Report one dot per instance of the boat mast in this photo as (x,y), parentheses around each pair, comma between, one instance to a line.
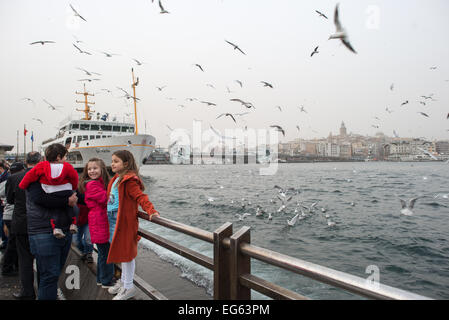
(86,110)
(136,130)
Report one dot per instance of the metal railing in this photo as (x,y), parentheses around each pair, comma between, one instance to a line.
(231,265)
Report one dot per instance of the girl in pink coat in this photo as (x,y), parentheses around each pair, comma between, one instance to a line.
(93,183)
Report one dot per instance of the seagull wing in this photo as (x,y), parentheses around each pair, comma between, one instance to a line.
(403,203)
(230,115)
(348,45)
(412,202)
(336,18)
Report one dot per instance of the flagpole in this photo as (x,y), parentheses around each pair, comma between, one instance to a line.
(17,150)
(24,142)
(32,141)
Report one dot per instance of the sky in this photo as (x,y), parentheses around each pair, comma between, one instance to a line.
(397,42)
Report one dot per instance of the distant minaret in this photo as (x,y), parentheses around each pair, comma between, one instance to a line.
(343,130)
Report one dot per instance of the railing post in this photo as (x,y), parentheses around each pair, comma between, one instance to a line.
(240,264)
(221,263)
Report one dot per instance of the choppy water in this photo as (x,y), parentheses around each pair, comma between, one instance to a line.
(411,252)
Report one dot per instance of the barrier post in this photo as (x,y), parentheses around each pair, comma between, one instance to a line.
(240,264)
(221,263)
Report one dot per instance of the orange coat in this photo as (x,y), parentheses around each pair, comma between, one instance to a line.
(124,241)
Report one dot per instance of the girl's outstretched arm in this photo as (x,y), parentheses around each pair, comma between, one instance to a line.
(134,191)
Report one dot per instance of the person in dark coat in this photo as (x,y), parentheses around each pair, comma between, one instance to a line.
(16,196)
(4,174)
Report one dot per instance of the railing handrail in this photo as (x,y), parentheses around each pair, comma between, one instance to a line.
(317,272)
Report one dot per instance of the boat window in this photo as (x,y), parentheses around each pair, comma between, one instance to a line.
(106,127)
(75,126)
(116,128)
(97,137)
(85,138)
(109,136)
(79,138)
(103,136)
(131,129)
(125,129)
(94,127)
(84,126)
(92,137)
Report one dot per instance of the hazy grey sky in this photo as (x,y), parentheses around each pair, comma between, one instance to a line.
(397,42)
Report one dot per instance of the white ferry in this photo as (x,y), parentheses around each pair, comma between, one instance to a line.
(86,138)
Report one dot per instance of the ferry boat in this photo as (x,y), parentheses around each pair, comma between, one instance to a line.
(86,138)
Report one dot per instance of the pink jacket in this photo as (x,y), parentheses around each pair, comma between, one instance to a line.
(96,200)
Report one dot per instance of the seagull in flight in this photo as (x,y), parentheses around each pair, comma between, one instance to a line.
(42,42)
(392,86)
(340,32)
(404,103)
(109,55)
(28,99)
(162,8)
(427,153)
(52,107)
(266,84)
(138,62)
(240,83)
(297,127)
(199,66)
(302,109)
(321,14)
(424,114)
(38,120)
(314,51)
(81,51)
(90,80)
(235,47)
(246,104)
(279,107)
(208,103)
(278,128)
(227,115)
(76,13)
(395,134)
(88,73)
(160,88)
(388,110)
(407,209)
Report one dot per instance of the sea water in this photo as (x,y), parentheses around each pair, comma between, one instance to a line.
(362,198)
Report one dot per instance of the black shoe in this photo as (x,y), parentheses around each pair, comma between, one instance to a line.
(20,296)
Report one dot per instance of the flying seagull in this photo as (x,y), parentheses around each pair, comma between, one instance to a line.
(235,47)
(302,109)
(28,99)
(199,66)
(407,209)
(109,55)
(427,153)
(395,134)
(228,115)
(246,104)
(321,14)
(51,106)
(278,128)
(392,87)
(81,51)
(297,127)
(340,32)
(88,73)
(388,110)
(424,114)
(314,51)
(162,8)
(404,103)
(160,88)
(138,62)
(447,116)
(279,107)
(266,84)
(240,83)
(38,120)
(76,13)
(208,103)
(42,42)
(90,80)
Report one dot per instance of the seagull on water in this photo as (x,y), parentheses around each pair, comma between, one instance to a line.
(340,32)
(407,209)
(236,47)
(293,220)
(242,216)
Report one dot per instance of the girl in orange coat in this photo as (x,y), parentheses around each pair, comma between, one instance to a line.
(129,187)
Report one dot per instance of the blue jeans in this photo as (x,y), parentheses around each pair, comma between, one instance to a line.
(82,239)
(105,271)
(3,235)
(51,254)
(112,219)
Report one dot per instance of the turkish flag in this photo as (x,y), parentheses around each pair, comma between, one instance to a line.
(24,131)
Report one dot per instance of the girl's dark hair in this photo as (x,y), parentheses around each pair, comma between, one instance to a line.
(84,178)
(129,164)
(54,150)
